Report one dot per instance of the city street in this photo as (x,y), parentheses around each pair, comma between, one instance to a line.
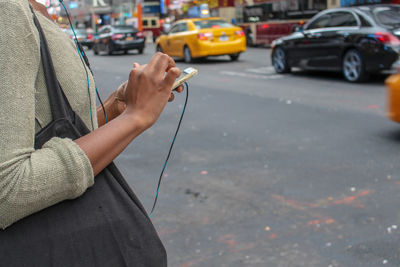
(267,170)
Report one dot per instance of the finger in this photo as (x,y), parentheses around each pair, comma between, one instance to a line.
(171,97)
(179,89)
(136,65)
(171,76)
(161,63)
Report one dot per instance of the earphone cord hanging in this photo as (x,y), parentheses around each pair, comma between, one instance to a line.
(170,150)
(84,59)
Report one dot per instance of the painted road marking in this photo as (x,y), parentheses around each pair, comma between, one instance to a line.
(263,70)
(251,75)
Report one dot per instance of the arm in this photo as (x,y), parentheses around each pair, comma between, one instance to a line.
(30,180)
(114,105)
(147,92)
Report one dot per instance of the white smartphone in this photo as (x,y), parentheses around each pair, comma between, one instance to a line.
(186,75)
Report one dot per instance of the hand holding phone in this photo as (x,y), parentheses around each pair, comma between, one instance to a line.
(186,75)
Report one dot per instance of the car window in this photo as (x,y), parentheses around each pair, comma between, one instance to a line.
(183,27)
(80,31)
(342,19)
(321,22)
(123,29)
(104,30)
(212,23)
(174,29)
(364,21)
(388,16)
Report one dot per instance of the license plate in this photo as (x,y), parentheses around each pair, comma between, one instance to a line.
(129,38)
(223,38)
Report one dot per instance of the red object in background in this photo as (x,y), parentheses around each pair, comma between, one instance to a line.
(204,36)
(139,16)
(90,36)
(140,34)
(264,33)
(239,33)
(226,3)
(387,38)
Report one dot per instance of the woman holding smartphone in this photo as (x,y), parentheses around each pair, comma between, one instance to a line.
(32,180)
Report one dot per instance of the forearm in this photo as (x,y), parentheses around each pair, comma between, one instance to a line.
(104,144)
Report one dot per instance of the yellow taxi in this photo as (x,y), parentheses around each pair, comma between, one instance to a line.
(202,37)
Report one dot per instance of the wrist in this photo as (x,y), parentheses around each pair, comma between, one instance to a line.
(136,120)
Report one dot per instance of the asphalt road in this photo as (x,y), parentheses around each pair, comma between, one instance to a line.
(268,170)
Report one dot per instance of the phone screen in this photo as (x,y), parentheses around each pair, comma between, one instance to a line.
(185,75)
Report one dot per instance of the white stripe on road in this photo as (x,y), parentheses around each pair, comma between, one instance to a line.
(250,75)
(263,70)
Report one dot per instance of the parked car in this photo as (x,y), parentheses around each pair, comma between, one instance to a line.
(202,37)
(83,37)
(356,41)
(118,38)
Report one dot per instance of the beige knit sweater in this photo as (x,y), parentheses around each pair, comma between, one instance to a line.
(31,180)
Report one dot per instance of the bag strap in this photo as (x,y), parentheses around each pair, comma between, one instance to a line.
(59,108)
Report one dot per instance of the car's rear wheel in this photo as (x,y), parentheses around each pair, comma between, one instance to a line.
(159,49)
(235,56)
(140,50)
(353,66)
(279,60)
(187,55)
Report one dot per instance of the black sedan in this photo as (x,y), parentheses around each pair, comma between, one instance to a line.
(118,38)
(82,36)
(354,40)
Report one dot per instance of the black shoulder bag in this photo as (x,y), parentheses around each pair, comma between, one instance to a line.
(107,226)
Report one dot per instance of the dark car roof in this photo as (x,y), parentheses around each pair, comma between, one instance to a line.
(367,9)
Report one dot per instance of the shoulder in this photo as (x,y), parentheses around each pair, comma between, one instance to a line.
(17,11)
(16,18)
(21,5)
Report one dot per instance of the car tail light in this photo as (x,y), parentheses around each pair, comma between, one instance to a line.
(265,26)
(140,34)
(204,36)
(117,36)
(90,36)
(386,38)
(239,33)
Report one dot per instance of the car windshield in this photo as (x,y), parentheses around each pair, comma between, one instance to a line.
(77,32)
(388,16)
(206,24)
(123,29)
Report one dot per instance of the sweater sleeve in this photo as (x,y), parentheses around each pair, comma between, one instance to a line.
(30,180)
